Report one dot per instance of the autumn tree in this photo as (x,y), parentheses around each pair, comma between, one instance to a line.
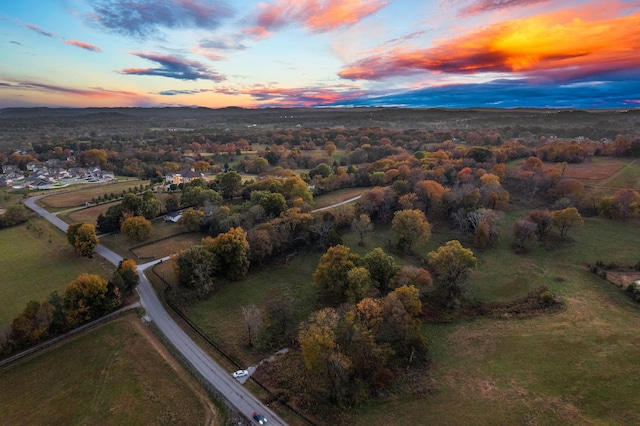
(408,227)
(567,219)
(358,284)
(331,275)
(525,232)
(127,272)
(543,220)
(627,202)
(82,236)
(232,250)
(86,298)
(450,266)
(136,228)
(362,225)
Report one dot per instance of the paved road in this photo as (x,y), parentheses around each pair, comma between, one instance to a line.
(218,378)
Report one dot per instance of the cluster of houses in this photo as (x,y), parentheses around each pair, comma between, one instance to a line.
(50,174)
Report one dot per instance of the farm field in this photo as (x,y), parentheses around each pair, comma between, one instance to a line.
(35,260)
(115,374)
(336,197)
(79,195)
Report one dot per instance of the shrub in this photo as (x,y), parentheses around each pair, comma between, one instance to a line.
(547,298)
(594,269)
(603,275)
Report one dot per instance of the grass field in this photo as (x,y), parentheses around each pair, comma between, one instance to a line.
(79,195)
(88,215)
(36,259)
(114,375)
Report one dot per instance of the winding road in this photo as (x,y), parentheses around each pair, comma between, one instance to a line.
(217,377)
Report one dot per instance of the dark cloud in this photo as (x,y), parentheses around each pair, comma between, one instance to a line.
(92,92)
(39,30)
(143,18)
(174,67)
(183,92)
(15,42)
(612,93)
(481,6)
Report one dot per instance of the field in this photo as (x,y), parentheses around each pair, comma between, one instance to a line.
(113,375)
(336,197)
(36,259)
(574,367)
(86,215)
(78,196)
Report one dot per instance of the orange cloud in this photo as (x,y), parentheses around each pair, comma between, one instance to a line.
(84,45)
(558,43)
(316,15)
(300,97)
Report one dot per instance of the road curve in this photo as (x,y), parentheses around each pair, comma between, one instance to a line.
(217,377)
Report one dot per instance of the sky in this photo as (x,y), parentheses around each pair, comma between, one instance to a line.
(320,53)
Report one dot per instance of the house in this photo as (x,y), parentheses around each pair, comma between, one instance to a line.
(172,217)
(183,176)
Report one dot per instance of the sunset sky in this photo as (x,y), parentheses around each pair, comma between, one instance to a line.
(292,53)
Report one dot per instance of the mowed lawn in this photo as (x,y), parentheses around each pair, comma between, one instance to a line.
(36,259)
(78,195)
(117,374)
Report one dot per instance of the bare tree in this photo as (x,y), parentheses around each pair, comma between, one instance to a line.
(252,316)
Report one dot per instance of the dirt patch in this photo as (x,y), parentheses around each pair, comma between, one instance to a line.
(623,278)
(589,171)
(537,302)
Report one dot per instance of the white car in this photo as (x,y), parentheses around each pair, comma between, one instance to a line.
(240,373)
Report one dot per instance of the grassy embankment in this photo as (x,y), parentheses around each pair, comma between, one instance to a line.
(115,374)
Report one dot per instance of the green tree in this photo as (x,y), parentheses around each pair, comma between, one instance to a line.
(229,184)
(382,269)
(136,228)
(232,250)
(331,275)
(273,204)
(409,227)
(358,284)
(450,266)
(196,268)
(567,219)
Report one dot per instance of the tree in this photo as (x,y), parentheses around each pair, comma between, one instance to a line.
(260,245)
(450,266)
(362,225)
(331,275)
(273,203)
(229,184)
(82,236)
(128,272)
(191,219)
(196,267)
(382,269)
(566,219)
(408,227)
(543,220)
(524,231)
(358,284)
(627,202)
(232,250)
(253,320)
(136,228)
(86,298)
(14,215)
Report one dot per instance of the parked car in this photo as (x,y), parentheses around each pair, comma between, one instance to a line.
(240,373)
(259,418)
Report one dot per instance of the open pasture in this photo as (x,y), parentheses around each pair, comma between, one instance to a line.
(35,260)
(79,195)
(115,374)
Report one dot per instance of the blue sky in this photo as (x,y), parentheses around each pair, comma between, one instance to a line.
(408,53)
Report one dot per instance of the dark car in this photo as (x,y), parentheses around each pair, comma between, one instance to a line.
(259,418)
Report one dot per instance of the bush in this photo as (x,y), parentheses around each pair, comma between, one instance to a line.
(637,266)
(547,298)
(603,275)
(594,269)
